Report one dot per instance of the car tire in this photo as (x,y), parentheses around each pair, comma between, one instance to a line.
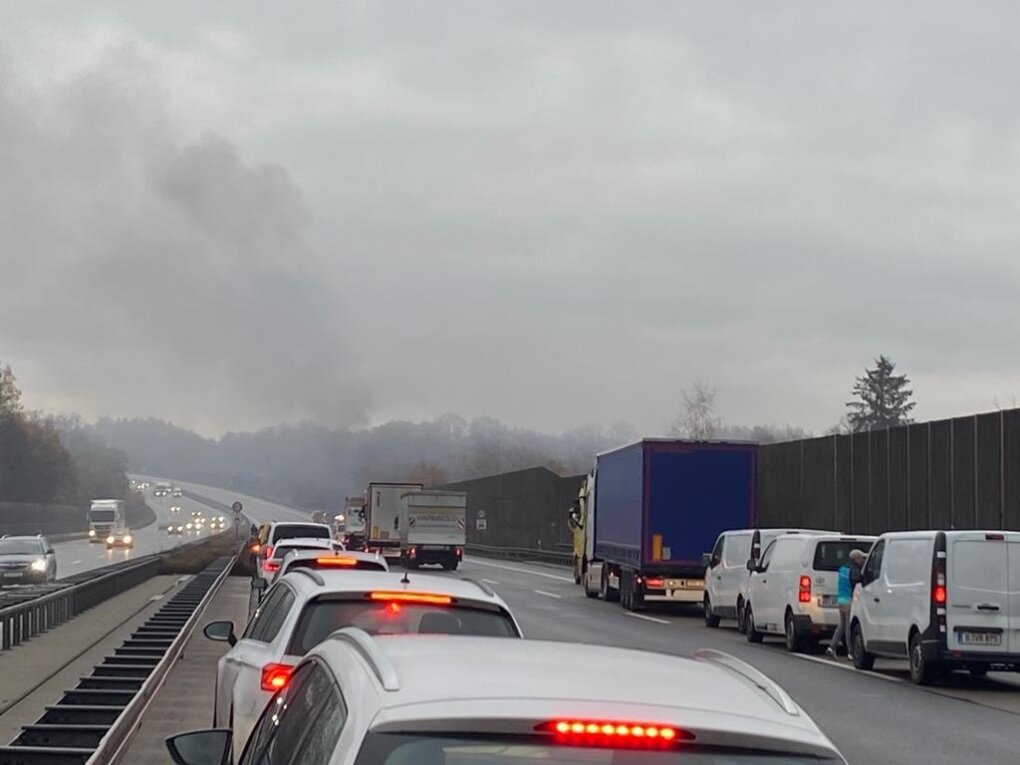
(794,640)
(750,631)
(740,616)
(859,655)
(711,620)
(922,672)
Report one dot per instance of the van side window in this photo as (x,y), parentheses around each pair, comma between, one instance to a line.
(874,564)
(785,554)
(909,561)
(737,550)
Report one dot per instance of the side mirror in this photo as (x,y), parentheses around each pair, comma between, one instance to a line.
(706,560)
(751,565)
(51,551)
(222,632)
(200,747)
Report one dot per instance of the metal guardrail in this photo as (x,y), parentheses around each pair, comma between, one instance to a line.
(553,557)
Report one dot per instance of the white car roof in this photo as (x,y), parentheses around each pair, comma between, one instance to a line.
(298,554)
(717,697)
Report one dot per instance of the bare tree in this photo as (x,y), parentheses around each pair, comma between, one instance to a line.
(697,420)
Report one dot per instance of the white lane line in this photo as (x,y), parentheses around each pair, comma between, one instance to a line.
(848,667)
(548,594)
(489,581)
(647,618)
(522,570)
(75,562)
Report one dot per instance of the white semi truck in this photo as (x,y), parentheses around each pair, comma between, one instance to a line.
(108,523)
(384,506)
(434,532)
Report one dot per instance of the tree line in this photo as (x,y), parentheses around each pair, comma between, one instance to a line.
(52,460)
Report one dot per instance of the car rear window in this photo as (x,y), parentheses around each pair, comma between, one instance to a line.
(300,530)
(282,549)
(436,749)
(322,617)
(831,556)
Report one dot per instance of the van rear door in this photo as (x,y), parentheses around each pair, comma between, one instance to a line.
(1013,629)
(977,602)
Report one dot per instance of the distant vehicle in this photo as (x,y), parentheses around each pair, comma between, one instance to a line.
(178,493)
(196,513)
(792,591)
(654,510)
(175,528)
(270,534)
(945,600)
(351,523)
(26,559)
(323,560)
(384,511)
(393,700)
(320,517)
(175,508)
(304,607)
(161,490)
(105,516)
(271,566)
(120,537)
(727,574)
(434,532)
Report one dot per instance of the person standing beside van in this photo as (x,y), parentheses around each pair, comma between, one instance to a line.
(848,578)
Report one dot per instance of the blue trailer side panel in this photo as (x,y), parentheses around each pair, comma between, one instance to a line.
(694,492)
(619,486)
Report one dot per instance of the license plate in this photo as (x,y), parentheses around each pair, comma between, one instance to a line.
(981,638)
(14,575)
(830,601)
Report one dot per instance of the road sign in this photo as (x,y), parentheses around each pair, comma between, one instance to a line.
(480,524)
(237,507)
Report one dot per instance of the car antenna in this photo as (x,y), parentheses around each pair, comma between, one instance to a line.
(405,580)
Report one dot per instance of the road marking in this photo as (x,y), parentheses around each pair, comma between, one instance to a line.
(647,618)
(522,570)
(548,594)
(75,562)
(848,667)
(489,581)
(154,598)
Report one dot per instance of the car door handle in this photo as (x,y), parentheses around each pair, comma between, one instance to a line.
(986,607)
(878,600)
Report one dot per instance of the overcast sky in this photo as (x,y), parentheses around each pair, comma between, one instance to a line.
(236,213)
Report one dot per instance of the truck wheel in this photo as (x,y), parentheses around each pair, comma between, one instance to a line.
(605,591)
(588,593)
(452,565)
(794,640)
(750,631)
(711,620)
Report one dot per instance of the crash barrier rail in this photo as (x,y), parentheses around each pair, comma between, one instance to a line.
(554,557)
(30,611)
(93,722)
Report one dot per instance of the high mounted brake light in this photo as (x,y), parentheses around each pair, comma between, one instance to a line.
(336,560)
(276,676)
(411,597)
(613,733)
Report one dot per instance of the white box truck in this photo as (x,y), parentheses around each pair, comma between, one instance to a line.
(385,511)
(434,532)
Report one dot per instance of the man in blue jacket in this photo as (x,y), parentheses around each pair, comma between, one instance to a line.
(849,577)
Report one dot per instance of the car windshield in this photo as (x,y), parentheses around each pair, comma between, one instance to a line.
(293,531)
(831,556)
(20,547)
(103,516)
(411,749)
(322,617)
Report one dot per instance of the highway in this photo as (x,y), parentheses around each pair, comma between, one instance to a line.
(80,555)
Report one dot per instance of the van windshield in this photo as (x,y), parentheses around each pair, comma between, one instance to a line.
(831,556)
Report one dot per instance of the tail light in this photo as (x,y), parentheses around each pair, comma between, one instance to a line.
(254,548)
(411,597)
(655,584)
(271,566)
(412,552)
(613,733)
(336,560)
(938,590)
(460,553)
(276,676)
(804,590)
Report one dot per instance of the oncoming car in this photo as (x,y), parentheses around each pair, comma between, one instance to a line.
(120,538)
(304,607)
(359,700)
(175,528)
(26,559)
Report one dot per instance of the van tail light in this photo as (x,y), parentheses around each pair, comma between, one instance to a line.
(276,676)
(613,733)
(460,552)
(804,590)
(271,566)
(939,594)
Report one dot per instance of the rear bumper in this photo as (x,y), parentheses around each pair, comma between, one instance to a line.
(806,624)
(935,653)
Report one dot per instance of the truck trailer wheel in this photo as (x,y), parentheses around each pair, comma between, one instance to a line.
(606,592)
(588,592)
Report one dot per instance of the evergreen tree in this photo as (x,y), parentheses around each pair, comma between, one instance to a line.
(883,398)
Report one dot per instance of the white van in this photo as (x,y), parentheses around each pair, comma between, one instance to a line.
(792,591)
(726,573)
(944,599)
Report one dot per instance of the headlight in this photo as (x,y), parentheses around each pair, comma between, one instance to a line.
(110,540)
(92,532)
(127,539)
(39,564)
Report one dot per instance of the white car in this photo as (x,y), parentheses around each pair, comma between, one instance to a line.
(792,591)
(271,534)
(322,560)
(726,574)
(401,700)
(944,599)
(271,566)
(305,606)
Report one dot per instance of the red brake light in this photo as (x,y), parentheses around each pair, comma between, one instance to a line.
(460,552)
(276,676)
(804,593)
(336,560)
(939,594)
(613,733)
(411,597)
(271,566)
(655,584)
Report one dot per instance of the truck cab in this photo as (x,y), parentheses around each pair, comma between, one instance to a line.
(105,517)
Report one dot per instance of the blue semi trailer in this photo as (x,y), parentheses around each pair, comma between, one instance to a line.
(651,513)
